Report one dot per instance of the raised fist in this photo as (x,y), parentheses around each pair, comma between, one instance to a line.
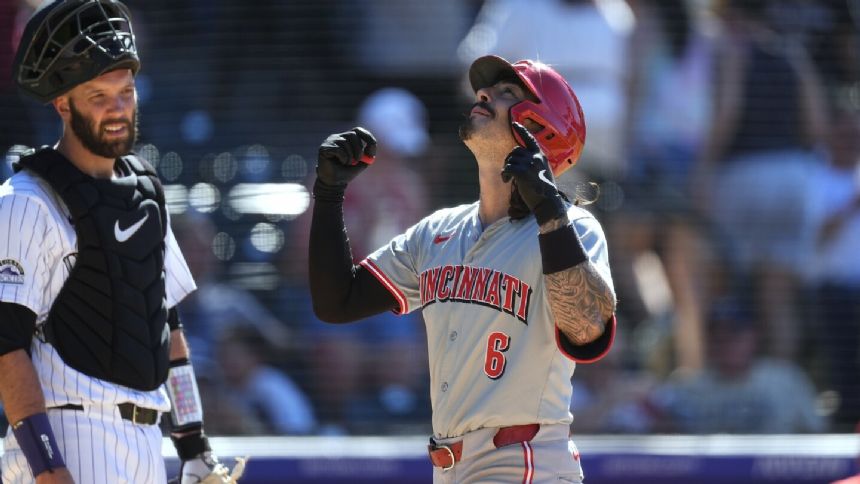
(342,156)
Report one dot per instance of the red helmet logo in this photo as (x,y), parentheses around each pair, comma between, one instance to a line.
(557,109)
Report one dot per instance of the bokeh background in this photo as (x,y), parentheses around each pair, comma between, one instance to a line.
(723,138)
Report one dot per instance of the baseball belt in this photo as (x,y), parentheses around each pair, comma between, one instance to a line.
(446,455)
(128,411)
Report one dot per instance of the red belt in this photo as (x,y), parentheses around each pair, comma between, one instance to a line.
(446,455)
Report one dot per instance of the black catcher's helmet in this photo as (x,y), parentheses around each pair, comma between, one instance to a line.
(69,42)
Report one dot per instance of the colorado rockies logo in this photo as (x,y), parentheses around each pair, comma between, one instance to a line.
(11,272)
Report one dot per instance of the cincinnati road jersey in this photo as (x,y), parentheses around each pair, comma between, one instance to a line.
(494,357)
(40,245)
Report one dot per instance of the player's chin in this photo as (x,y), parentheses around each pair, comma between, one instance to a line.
(466,130)
(115,148)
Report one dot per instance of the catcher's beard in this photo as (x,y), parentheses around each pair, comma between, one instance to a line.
(92,136)
(517,208)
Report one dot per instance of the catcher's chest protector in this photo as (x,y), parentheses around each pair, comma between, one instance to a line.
(110,318)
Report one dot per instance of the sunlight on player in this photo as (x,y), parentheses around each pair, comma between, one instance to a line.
(515,289)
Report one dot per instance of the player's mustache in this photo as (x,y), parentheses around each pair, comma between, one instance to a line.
(483,105)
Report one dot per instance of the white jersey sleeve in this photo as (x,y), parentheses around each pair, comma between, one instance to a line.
(178,282)
(29,250)
(394,266)
(593,241)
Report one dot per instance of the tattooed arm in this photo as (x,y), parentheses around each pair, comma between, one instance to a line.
(580,299)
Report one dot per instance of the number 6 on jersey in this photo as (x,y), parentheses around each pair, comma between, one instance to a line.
(494,364)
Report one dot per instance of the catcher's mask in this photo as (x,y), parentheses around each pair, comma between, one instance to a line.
(69,42)
(557,109)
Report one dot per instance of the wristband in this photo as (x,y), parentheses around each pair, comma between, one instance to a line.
(191,445)
(37,442)
(328,193)
(186,409)
(173,321)
(561,249)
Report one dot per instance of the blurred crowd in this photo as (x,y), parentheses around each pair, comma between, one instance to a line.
(722,155)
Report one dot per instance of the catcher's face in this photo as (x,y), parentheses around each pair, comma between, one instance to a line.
(102,113)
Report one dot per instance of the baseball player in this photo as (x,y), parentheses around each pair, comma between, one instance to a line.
(515,288)
(91,347)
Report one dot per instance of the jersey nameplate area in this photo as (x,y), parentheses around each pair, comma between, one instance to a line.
(476,285)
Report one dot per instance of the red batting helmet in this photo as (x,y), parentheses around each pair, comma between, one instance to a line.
(557,109)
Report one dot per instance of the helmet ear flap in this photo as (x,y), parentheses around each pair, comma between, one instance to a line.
(559,141)
(557,109)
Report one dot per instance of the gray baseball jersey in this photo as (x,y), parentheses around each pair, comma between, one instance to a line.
(36,255)
(495,357)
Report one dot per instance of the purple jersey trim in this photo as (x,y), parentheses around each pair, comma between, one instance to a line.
(394,290)
(589,352)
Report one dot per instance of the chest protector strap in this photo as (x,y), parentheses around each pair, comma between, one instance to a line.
(109,320)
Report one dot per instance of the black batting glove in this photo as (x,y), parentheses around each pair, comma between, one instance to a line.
(532,177)
(343,156)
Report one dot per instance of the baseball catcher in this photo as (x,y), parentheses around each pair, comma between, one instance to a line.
(92,350)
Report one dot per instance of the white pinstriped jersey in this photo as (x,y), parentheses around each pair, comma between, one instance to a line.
(36,255)
(495,359)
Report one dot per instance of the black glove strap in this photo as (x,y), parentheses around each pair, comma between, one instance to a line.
(324,192)
(550,208)
(191,445)
(561,249)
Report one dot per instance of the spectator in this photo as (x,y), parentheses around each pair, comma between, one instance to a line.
(613,398)
(669,54)
(224,415)
(396,197)
(829,31)
(16,125)
(767,122)
(585,41)
(836,280)
(215,305)
(739,391)
(259,388)
(395,38)
(279,71)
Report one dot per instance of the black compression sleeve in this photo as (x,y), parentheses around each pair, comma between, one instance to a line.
(341,291)
(17,325)
(173,321)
